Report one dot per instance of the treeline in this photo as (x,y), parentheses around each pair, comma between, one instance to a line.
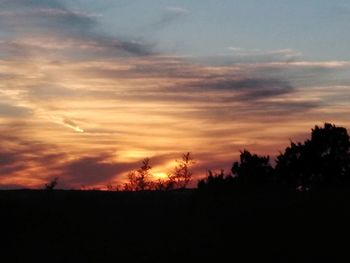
(323,160)
(142,179)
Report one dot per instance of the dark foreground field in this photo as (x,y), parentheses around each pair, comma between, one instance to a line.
(247,226)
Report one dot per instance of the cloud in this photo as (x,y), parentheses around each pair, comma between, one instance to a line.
(237,55)
(247,89)
(26,162)
(51,92)
(272,54)
(53,20)
(7,158)
(27,4)
(170,15)
(56,67)
(29,163)
(66,122)
(71,124)
(36,17)
(92,170)
(11,111)
(101,168)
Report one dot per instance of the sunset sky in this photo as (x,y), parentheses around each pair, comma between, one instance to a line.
(89,88)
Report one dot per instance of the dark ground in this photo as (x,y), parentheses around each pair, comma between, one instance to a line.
(249,225)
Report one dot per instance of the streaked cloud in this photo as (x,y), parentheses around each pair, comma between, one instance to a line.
(88,106)
(258,53)
(67,123)
(92,170)
(52,19)
(13,111)
(170,15)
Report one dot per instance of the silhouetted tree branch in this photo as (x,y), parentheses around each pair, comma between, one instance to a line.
(322,160)
(181,176)
(252,169)
(140,179)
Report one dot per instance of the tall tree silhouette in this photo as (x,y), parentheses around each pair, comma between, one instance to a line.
(216,182)
(140,179)
(181,175)
(322,160)
(252,169)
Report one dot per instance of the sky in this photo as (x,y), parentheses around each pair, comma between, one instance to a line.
(90,88)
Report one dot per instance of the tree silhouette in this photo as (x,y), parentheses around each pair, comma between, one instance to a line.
(322,160)
(181,175)
(216,182)
(252,168)
(52,184)
(290,166)
(140,179)
(160,185)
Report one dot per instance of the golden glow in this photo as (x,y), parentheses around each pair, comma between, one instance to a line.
(132,155)
(101,113)
(160,175)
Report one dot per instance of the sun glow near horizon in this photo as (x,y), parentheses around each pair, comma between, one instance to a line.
(88,105)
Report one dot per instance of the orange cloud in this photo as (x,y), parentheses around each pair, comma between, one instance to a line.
(88,107)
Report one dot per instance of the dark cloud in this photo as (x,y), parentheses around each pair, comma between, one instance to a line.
(8,110)
(52,18)
(155,67)
(22,155)
(19,155)
(70,122)
(30,151)
(255,112)
(12,186)
(296,72)
(113,46)
(93,170)
(7,158)
(99,169)
(226,90)
(223,94)
(248,89)
(9,169)
(49,91)
(36,17)
(310,76)
(277,110)
(170,15)
(13,4)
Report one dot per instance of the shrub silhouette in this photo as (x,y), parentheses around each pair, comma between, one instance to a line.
(140,179)
(161,185)
(252,169)
(181,176)
(322,160)
(52,184)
